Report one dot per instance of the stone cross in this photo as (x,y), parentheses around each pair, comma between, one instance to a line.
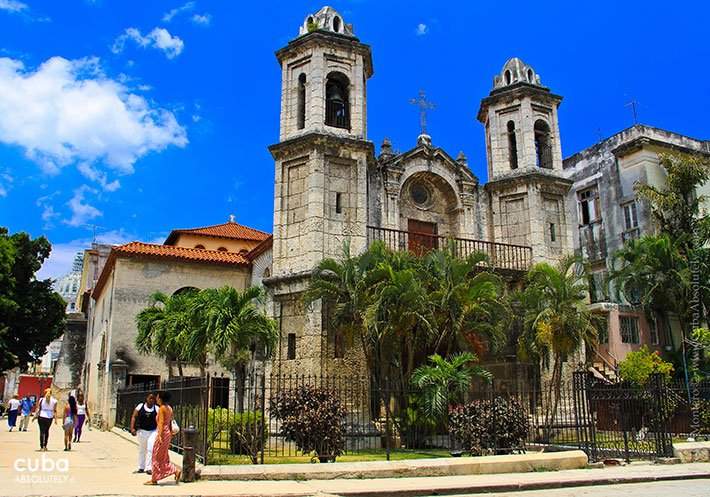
(423,105)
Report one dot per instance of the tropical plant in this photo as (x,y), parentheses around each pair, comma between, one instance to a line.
(442,383)
(234,327)
(469,308)
(558,322)
(313,418)
(164,326)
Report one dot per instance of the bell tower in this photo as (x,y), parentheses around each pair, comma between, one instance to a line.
(527,190)
(322,158)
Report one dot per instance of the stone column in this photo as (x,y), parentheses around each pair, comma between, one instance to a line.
(119,370)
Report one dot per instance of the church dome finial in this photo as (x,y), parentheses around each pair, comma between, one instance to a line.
(326,19)
(516,71)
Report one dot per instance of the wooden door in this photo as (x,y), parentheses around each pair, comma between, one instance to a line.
(422,236)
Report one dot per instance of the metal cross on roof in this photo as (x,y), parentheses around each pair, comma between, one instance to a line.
(423,105)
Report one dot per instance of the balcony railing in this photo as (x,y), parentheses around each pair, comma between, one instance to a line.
(500,255)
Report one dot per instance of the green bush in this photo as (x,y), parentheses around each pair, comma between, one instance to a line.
(499,426)
(639,366)
(313,418)
(248,434)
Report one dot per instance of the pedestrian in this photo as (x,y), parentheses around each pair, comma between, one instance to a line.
(26,406)
(144,423)
(82,414)
(46,413)
(162,467)
(70,413)
(12,408)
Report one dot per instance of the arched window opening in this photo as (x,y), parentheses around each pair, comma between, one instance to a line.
(199,247)
(301,101)
(186,289)
(543,144)
(222,249)
(512,146)
(337,103)
(508,77)
(336,24)
(530,76)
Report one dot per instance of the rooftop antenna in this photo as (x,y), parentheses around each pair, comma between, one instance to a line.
(632,104)
(94,227)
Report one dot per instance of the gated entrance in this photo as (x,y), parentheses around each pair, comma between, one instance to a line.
(624,420)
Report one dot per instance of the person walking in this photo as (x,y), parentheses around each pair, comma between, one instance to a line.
(12,409)
(162,467)
(46,413)
(82,414)
(26,406)
(70,413)
(144,423)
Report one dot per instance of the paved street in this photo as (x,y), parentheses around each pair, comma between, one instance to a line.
(688,488)
(104,462)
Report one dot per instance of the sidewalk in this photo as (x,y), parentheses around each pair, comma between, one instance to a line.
(103,465)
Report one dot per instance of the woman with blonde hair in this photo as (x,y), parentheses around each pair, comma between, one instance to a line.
(46,412)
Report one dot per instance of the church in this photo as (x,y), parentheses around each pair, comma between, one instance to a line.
(332,184)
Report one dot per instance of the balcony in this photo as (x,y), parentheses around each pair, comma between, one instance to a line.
(500,255)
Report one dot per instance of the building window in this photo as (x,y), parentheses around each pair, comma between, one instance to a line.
(338,203)
(653,328)
(543,144)
(512,146)
(337,104)
(291,346)
(301,101)
(588,206)
(222,249)
(629,326)
(630,217)
(553,237)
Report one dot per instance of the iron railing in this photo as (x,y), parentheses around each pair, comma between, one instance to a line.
(500,255)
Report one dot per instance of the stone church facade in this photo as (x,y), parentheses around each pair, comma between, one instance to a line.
(333,186)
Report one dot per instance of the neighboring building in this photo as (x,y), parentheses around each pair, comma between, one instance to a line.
(200,258)
(68,285)
(608,214)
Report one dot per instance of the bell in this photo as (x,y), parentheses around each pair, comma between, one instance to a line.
(335,95)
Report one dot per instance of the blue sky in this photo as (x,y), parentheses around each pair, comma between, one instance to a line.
(140,117)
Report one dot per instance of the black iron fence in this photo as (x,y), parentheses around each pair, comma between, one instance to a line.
(289,418)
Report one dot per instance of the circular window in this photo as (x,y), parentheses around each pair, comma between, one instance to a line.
(420,194)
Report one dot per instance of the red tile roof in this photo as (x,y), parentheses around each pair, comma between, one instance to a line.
(169,252)
(229,230)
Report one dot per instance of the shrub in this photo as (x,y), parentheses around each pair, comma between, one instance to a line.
(638,366)
(483,426)
(247,434)
(312,418)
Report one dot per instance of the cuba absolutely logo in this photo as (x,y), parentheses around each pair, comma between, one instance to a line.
(42,470)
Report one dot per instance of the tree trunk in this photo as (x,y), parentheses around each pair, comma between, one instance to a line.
(240,378)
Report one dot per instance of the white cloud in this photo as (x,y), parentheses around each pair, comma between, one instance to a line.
(81,210)
(202,19)
(422,29)
(189,6)
(48,212)
(159,38)
(94,174)
(68,111)
(12,5)
(5,184)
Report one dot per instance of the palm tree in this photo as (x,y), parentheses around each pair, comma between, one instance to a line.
(558,321)
(443,382)
(234,327)
(164,325)
(470,311)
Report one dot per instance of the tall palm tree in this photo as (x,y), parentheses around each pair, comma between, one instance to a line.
(233,326)
(558,321)
(470,310)
(443,382)
(164,325)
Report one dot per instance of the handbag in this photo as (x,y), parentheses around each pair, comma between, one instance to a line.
(175,427)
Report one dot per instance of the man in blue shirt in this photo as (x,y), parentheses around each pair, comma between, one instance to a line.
(26,406)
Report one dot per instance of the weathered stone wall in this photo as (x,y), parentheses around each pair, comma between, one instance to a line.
(68,370)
